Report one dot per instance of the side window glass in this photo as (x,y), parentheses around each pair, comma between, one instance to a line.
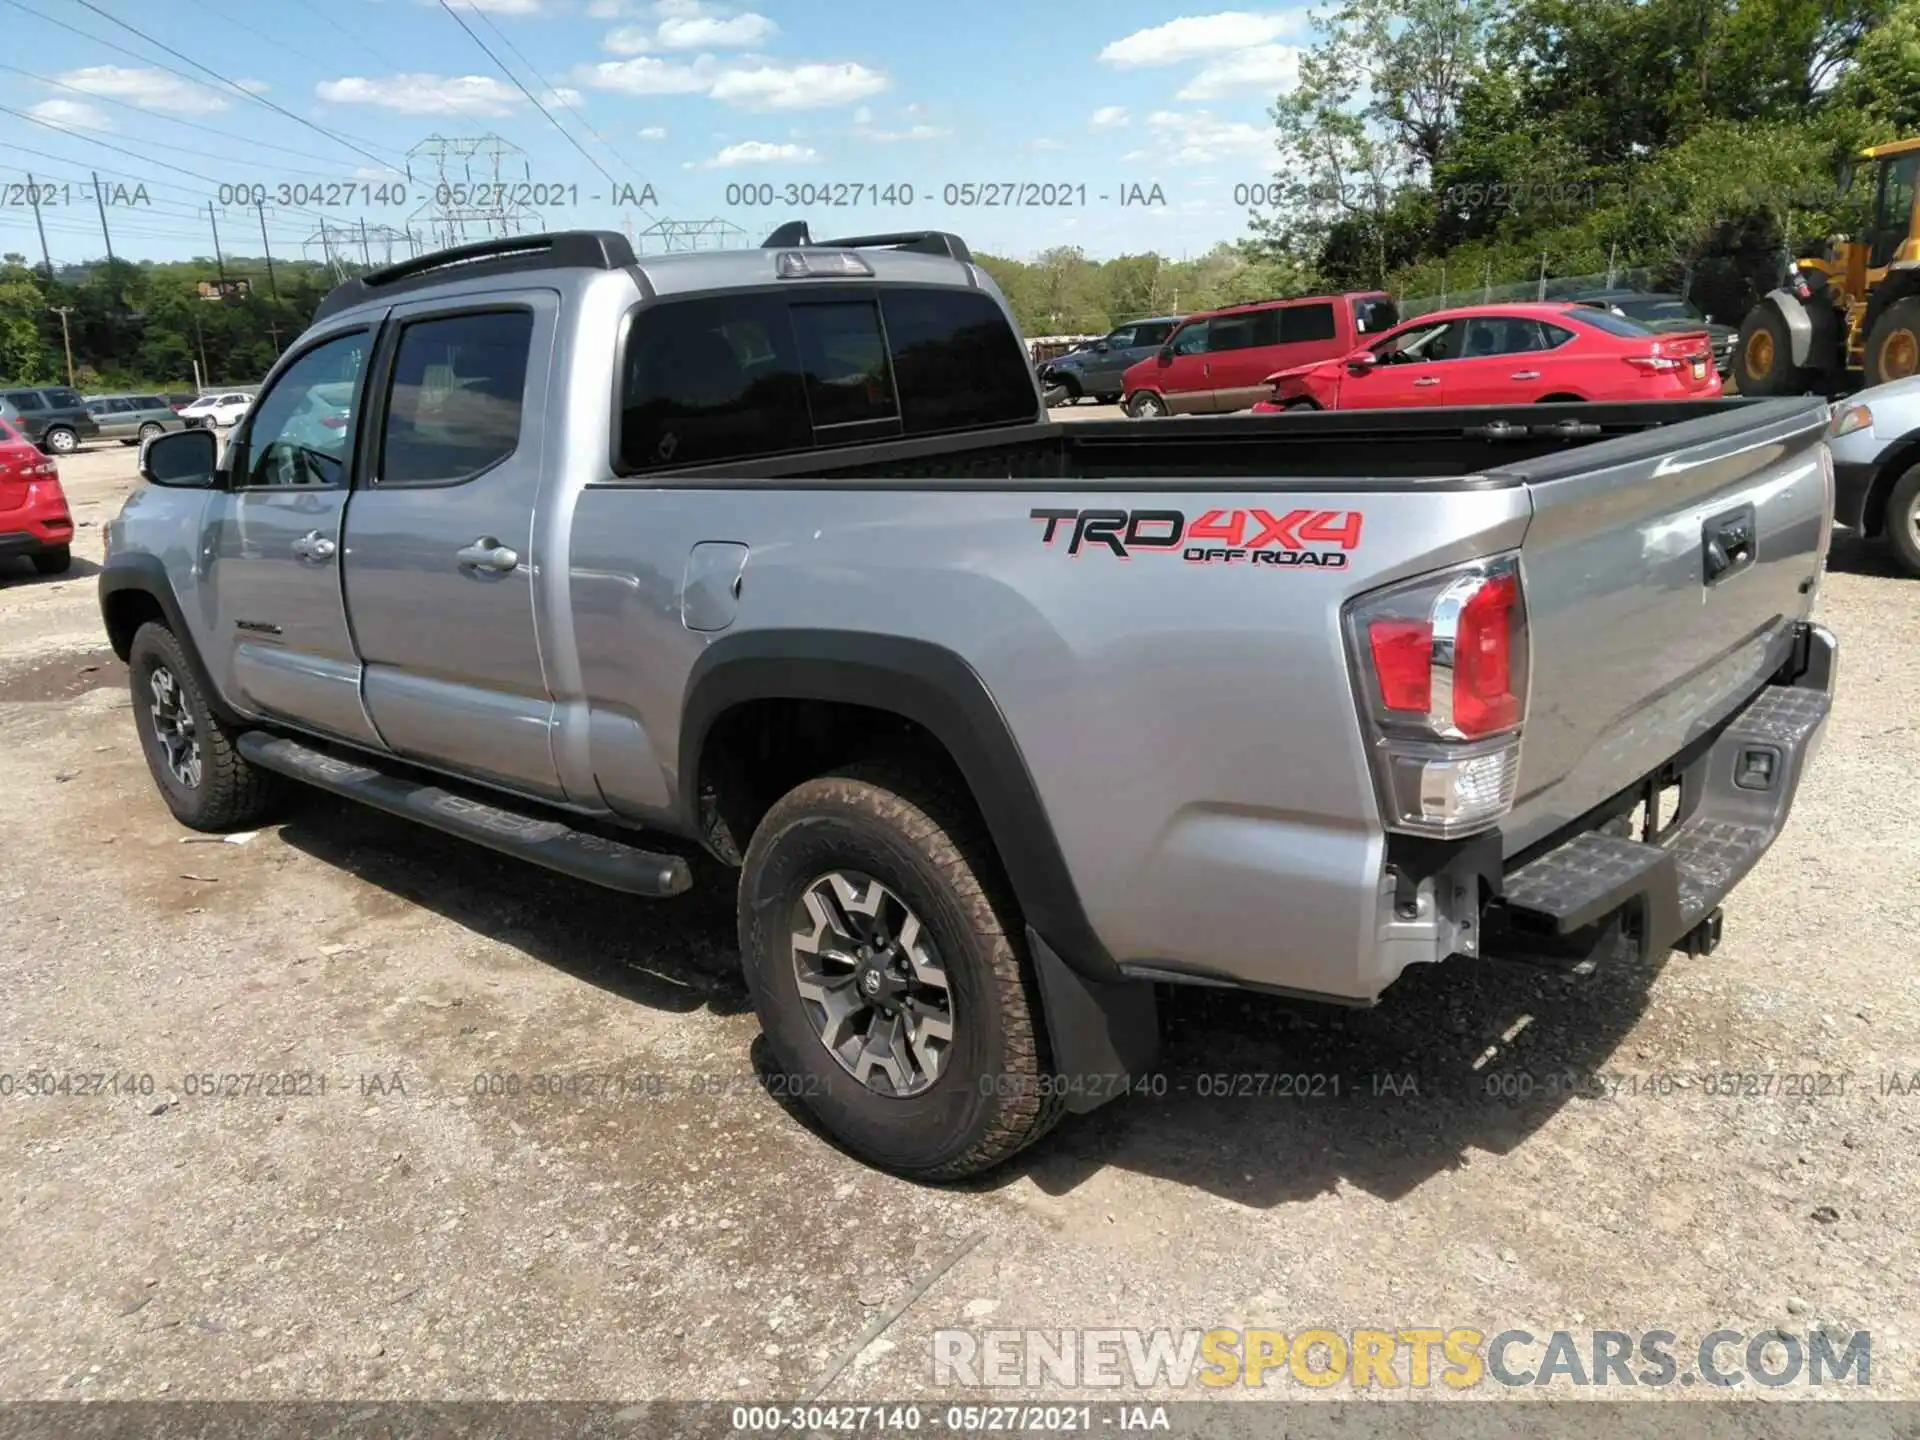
(1234,333)
(1266,327)
(1192,340)
(290,441)
(1122,339)
(1300,323)
(26,400)
(713,379)
(454,409)
(1552,337)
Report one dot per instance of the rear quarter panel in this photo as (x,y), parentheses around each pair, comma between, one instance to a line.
(1190,727)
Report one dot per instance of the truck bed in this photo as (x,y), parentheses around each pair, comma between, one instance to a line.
(1443,448)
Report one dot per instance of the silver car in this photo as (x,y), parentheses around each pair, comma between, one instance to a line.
(133,418)
(1876,464)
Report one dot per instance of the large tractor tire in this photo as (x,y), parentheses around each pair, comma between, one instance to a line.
(1763,355)
(1893,344)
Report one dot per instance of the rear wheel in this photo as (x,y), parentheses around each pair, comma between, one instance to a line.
(884,956)
(54,562)
(61,441)
(1145,405)
(148,431)
(1901,523)
(1763,355)
(204,780)
(1893,345)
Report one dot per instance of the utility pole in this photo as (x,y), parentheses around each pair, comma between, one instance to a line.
(100,201)
(271,282)
(66,337)
(33,195)
(200,344)
(366,254)
(218,258)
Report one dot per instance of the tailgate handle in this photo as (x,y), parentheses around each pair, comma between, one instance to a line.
(1727,542)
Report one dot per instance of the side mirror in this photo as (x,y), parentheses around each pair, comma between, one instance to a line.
(1166,355)
(181,460)
(1362,361)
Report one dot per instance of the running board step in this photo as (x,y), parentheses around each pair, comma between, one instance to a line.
(599,861)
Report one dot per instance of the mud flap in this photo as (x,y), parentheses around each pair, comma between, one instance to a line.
(1099,1034)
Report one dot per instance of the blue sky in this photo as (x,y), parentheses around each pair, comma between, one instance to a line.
(840,98)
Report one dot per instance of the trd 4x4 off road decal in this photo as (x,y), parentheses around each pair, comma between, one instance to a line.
(1318,539)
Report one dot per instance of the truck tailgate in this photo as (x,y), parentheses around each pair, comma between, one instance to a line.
(1664,574)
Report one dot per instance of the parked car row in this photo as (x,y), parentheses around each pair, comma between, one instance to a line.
(58,418)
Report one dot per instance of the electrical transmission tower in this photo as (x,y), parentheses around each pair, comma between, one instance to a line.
(467,180)
(671,235)
(343,244)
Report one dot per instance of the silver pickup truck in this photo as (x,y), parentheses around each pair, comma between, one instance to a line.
(597,559)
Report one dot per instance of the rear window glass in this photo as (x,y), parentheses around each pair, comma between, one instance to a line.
(26,400)
(1614,324)
(734,376)
(454,409)
(1300,323)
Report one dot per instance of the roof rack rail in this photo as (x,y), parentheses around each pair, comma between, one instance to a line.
(572,249)
(921,242)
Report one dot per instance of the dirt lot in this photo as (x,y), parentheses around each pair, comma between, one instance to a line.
(406,1233)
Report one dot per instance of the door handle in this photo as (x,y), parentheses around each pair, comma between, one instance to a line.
(1428,381)
(487,553)
(314,546)
(1524,375)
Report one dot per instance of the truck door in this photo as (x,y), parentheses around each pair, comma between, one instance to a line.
(439,582)
(273,546)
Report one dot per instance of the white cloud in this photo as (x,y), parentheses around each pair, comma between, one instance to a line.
(744,84)
(863,116)
(1261,67)
(564,96)
(1198,137)
(1193,37)
(1045,143)
(499,7)
(607,9)
(71,114)
(646,76)
(759,152)
(254,87)
(627,40)
(702,32)
(1109,117)
(912,132)
(652,132)
(770,86)
(149,89)
(423,94)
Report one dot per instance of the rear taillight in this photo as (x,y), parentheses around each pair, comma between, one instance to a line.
(334,422)
(1442,667)
(1653,364)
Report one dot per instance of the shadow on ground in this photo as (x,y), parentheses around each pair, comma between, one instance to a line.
(1257,1100)
(1854,554)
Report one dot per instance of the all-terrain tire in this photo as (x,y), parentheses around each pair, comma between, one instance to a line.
(1893,345)
(231,794)
(912,829)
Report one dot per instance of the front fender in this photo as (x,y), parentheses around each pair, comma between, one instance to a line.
(1799,323)
(135,587)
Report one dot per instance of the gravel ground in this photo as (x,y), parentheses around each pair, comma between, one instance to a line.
(408,1233)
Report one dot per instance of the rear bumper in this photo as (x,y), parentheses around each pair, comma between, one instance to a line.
(43,523)
(1599,892)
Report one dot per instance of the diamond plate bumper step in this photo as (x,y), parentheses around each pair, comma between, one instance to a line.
(1577,900)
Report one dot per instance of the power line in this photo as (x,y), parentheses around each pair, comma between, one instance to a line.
(564,133)
(237,88)
(169,119)
(562,100)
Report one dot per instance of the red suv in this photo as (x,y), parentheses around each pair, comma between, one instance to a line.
(33,508)
(1220,360)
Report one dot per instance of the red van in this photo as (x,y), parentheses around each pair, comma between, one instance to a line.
(1219,360)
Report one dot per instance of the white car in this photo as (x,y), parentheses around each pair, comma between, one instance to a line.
(217,409)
